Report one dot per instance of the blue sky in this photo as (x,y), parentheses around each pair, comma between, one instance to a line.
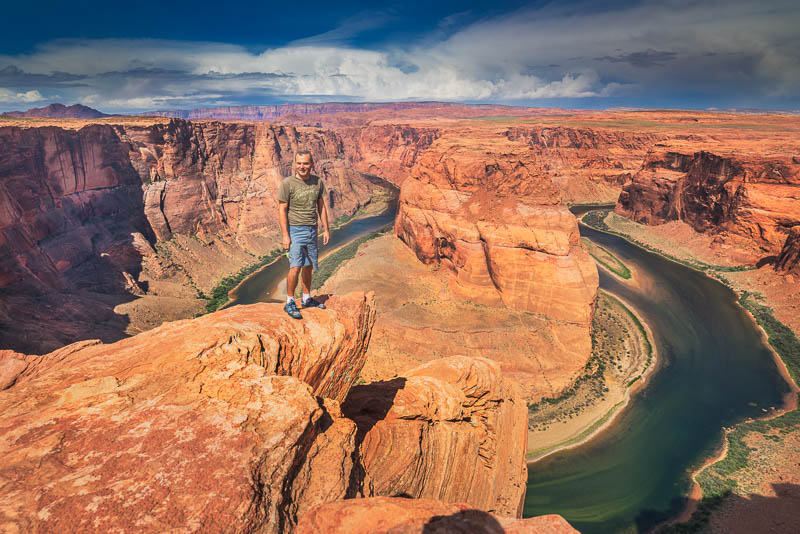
(130,58)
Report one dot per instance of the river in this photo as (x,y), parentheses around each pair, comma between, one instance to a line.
(714,371)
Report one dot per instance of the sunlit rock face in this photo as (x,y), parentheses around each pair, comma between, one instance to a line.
(493,217)
(750,196)
(232,421)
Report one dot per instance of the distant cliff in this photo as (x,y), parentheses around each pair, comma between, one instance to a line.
(263,113)
(755,197)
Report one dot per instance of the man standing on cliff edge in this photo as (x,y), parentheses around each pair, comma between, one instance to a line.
(301,200)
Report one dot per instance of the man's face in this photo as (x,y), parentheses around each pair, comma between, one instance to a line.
(302,165)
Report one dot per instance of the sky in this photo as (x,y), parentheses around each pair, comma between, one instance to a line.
(135,57)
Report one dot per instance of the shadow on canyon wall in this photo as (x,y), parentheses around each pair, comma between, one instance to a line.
(366,405)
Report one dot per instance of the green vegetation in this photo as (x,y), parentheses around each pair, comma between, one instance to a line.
(219,295)
(596,219)
(605,258)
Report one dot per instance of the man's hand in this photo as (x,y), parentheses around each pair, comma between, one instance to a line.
(326,236)
(287,241)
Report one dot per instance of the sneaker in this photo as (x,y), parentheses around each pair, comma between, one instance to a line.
(291,309)
(313,303)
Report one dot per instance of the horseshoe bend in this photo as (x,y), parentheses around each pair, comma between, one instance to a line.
(480,331)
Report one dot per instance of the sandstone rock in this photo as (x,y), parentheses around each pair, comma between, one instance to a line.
(435,433)
(212,424)
(386,515)
(588,165)
(494,219)
(751,196)
(420,320)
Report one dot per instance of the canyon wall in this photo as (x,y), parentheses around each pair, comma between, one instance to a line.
(755,198)
(90,218)
(233,422)
(588,165)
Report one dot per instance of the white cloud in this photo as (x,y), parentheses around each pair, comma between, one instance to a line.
(12,97)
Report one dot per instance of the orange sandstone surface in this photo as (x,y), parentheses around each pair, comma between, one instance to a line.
(233,421)
(385,515)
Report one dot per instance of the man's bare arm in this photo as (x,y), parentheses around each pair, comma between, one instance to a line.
(283,218)
(322,209)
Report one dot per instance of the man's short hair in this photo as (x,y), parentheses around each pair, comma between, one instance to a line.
(304,152)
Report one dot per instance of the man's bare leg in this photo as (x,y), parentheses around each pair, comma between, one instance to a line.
(291,280)
(306,275)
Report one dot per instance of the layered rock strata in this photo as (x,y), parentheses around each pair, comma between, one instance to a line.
(433,434)
(588,165)
(387,150)
(75,203)
(385,515)
(163,210)
(494,219)
(756,198)
(232,422)
(212,424)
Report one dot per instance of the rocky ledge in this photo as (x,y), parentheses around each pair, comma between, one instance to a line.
(232,422)
(385,515)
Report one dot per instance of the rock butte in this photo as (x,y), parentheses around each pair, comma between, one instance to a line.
(232,422)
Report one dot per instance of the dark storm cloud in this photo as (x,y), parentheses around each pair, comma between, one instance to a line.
(644,59)
(13,76)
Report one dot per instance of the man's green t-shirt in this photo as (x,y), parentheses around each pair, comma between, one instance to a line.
(302,196)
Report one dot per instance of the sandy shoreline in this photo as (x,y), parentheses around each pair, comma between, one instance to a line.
(605,418)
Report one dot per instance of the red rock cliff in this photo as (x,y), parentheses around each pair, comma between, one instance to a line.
(752,196)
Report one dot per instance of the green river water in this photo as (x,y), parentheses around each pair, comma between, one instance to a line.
(714,371)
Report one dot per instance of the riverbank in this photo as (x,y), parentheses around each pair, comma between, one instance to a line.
(623,356)
(736,475)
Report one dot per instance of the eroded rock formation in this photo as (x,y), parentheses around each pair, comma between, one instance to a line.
(586,164)
(163,209)
(385,515)
(213,423)
(232,422)
(432,433)
(494,219)
(753,197)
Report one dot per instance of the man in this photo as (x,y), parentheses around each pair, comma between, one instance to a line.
(301,200)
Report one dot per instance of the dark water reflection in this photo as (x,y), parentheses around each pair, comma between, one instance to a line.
(714,371)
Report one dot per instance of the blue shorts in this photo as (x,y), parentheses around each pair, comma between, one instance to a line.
(303,250)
